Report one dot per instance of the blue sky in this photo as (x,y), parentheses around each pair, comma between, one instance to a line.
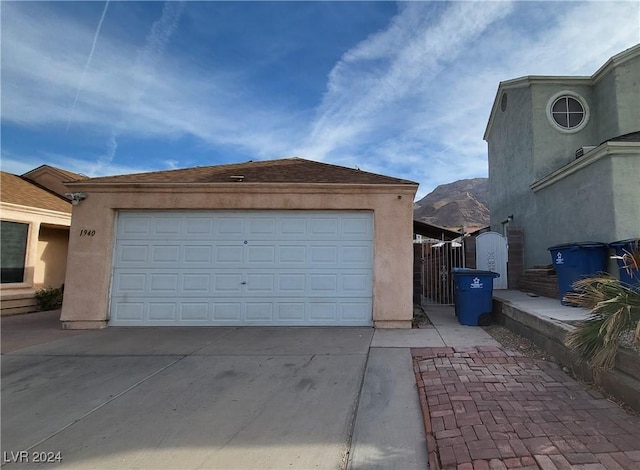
(403,89)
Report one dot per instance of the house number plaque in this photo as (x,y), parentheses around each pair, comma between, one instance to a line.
(87,232)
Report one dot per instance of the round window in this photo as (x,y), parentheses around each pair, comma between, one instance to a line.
(568,111)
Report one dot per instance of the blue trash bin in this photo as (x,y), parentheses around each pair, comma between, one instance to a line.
(574,261)
(473,294)
(620,247)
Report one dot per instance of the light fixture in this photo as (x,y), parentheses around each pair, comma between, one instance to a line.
(75,198)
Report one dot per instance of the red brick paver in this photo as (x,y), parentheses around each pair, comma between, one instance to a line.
(490,408)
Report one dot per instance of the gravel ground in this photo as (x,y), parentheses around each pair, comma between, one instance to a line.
(515,342)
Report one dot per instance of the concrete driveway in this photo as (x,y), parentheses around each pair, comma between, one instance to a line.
(241,398)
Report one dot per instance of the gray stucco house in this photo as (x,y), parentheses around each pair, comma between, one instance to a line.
(564,157)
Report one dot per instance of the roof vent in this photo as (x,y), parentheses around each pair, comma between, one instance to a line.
(237,178)
(584,150)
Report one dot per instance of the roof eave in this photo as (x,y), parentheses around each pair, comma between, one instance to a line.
(235,186)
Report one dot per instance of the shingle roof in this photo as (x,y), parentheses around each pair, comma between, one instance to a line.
(287,170)
(15,190)
(66,174)
(631,137)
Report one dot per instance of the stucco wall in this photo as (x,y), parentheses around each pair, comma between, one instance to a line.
(511,160)
(626,204)
(89,266)
(577,208)
(51,259)
(627,97)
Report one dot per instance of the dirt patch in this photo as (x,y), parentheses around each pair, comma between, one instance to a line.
(515,342)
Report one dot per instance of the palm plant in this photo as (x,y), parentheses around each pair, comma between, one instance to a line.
(615,312)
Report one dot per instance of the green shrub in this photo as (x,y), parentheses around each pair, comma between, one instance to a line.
(50,298)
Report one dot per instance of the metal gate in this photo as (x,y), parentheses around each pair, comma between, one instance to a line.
(438,260)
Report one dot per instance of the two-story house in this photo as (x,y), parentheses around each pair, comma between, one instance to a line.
(564,157)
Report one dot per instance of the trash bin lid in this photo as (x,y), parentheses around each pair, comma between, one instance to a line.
(576,245)
(619,243)
(473,272)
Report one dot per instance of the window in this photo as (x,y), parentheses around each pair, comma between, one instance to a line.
(568,112)
(13,250)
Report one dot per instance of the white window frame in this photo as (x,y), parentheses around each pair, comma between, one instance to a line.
(579,99)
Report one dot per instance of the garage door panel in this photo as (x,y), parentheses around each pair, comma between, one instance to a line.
(135,225)
(324,228)
(356,255)
(167,226)
(290,312)
(291,255)
(130,311)
(263,284)
(162,311)
(261,226)
(131,282)
(234,312)
(260,312)
(227,226)
(327,254)
(356,227)
(323,283)
(225,283)
(260,255)
(291,226)
(196,283)
(235,268)
(198,255)
(163,283)
(194,311)
(196,227)
(230,255)
(131,254)
(228,311)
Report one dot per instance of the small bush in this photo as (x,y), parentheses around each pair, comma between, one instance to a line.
(50,298)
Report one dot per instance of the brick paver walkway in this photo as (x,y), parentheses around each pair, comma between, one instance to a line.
(490,408)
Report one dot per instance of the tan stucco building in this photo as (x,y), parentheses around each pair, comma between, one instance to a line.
(35,234)
(287,242)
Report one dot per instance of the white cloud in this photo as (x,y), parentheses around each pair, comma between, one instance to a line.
(125,92)
(411,100)
(416,97)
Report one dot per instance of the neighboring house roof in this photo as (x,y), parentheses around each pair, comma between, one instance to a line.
(51,178)
(287,170)
(433,231)
(631,137)
(66,174)
(16,190)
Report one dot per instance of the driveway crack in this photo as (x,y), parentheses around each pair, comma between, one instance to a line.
(101,405)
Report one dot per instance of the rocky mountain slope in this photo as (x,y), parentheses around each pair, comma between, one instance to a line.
(463,202)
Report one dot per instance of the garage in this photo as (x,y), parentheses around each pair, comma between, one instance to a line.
(231,268)
(288,242)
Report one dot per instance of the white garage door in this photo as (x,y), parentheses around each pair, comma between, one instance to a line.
(206,268)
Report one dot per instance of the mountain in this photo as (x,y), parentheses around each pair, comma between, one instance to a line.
(463,202)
